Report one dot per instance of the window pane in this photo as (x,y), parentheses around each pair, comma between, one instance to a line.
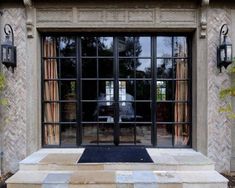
(181,91)
(68,112)
(89,68)
(68,68)
(52,112)
(164,46)
(106,133)
(51,69)
(89,90)
(181,69)
(164,135)
(180,47)
(143,47)
(143,90)
(89,133)
(126,46)
(67,46)
(164,90)
(68,134)
(143,111)
(164,68)
(51,91)
(182,135)
(68,90)
(88,46)
(143,68)
(105,68)
(51,134)
(105,45)
(127,68)
(50,47)
(143,134)
(90,111)
(181,112)
(127,133)
(126,90)
(126,112)
(164,112)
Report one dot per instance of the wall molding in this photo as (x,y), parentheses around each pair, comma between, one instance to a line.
(90,17)
(29,20)
(203,19)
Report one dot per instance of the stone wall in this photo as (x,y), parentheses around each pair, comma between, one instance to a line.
(219,127)
(13,116)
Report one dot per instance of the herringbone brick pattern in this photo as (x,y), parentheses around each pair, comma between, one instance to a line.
(13,117)
(219,130)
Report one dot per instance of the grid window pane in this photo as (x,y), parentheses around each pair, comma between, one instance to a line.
(105,46)
(68,134)
(67,46)
(89,68)
(68,68)
(180,47)
(164,68)
(164,135)
(143,68)
(164,46)
(89,46)
(68,90)
(143,46)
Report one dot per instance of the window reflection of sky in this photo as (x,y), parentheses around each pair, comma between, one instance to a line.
(164,46)
(144,66)
(145,46)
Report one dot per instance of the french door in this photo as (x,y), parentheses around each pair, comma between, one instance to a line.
(116,90)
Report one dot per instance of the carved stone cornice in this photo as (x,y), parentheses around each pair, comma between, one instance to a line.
(29,13)
(203,19)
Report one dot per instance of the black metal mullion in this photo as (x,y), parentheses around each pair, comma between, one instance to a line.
(189,62)
(116,92)
(97,88)
(173,90)
(78,92)
(153,91)
(59,83)
(42,93)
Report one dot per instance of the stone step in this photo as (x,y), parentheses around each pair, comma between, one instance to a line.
(163,160)
(117,179)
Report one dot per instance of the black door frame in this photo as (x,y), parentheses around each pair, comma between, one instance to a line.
(116,83)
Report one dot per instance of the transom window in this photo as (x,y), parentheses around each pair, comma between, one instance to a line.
(116,90)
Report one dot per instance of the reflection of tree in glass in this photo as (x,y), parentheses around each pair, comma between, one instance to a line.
(105,46)
(88,46)
(129,47)
(67,46)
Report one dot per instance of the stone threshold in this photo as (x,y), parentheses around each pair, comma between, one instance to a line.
(164,159)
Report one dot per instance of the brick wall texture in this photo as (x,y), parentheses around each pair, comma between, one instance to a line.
(13,116)
(219,127)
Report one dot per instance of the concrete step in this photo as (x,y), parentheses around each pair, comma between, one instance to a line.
(163,160)
(117,179)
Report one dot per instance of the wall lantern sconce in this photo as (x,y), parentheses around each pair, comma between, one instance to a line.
(224,51)
(8,50)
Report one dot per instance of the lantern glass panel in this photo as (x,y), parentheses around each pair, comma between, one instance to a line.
(4,53)
(222,54)
(229,53)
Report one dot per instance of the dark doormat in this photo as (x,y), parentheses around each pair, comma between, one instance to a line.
(115,154)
